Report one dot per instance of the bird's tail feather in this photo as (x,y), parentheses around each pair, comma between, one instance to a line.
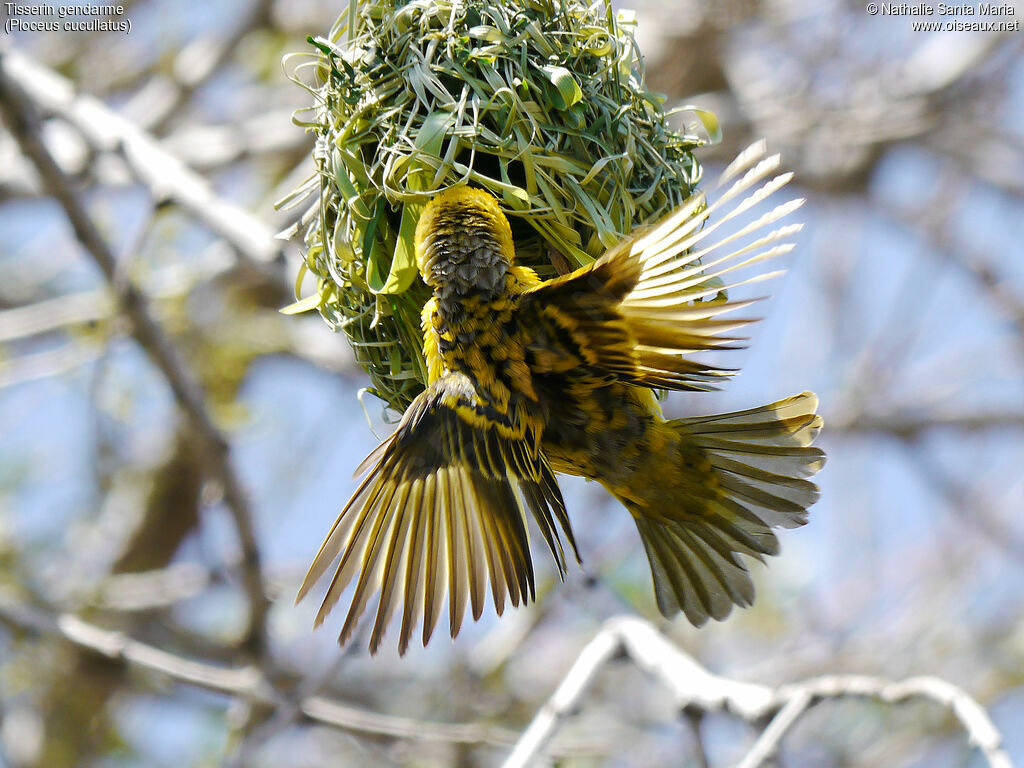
(758,462)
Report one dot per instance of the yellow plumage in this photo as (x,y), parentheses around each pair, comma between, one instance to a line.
(528,378)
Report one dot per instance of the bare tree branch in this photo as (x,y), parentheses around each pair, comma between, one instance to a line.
(564,700)
(909,427)
(945,242)
(915,155)
(767,743)
(695,687)
(53,314)
(146,590)
(157,102)
(968,504)
(251,684)
(22,120)
(164,174)
(199,147)
(306,339)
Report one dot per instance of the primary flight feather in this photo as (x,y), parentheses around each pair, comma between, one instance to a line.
(527,378)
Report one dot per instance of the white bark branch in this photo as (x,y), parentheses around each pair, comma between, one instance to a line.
(165,175)
(694,687)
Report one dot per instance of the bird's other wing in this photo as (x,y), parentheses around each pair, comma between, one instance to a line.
(443,509)
(640,311)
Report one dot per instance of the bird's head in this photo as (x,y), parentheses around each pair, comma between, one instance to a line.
(464,243)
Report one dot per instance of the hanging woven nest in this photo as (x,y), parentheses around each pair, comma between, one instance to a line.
(541,103)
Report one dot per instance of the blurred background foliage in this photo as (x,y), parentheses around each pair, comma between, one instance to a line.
(903,308)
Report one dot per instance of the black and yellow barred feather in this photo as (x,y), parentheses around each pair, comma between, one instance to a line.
(528,378)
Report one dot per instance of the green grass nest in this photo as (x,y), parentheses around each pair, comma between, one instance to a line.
(541,103)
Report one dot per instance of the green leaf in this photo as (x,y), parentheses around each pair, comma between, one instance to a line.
(303,305)
(700,123)
(488,33)
(431,134)
(567,90)
(403,270)
(372,252)
(323,47)
(597,213)
(403,261)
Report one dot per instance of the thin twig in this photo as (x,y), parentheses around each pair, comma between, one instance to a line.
(53,314)
(768,742)
(148,590)
(258,733)
(967,503)
(945,243)
(564,700)
(251,684)
(908,427)
(42,365)
(22,120)
(162,98)
(694,717)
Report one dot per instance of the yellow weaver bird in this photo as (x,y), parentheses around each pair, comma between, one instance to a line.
(528,378)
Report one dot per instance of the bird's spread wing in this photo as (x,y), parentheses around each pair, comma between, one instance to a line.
(639,311)
(443,509)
